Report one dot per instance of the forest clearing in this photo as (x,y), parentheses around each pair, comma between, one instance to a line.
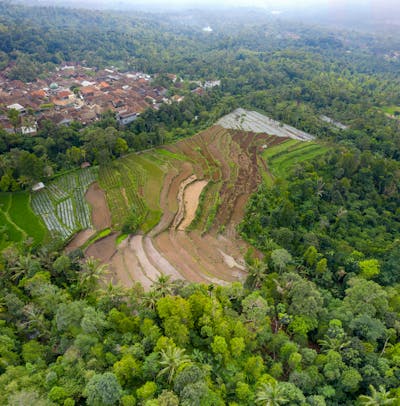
(188,199)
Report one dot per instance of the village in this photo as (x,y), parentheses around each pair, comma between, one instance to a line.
(77,93)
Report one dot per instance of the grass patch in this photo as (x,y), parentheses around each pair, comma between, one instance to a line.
(133,187)
(22,215)
(209,202)
(201,207)
(153,186)
(8,232)
(17,221)
(280,148)
(284,156)
(171,155)
(393,110)
(152,219)
(121,238)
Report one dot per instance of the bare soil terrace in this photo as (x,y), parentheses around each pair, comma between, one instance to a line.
(202,199)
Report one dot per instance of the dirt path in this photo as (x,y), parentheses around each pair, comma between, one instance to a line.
(79,240)
(101,217)
(191,201)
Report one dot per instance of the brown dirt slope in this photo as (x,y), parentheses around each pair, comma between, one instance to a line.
(210,251)
(101,217)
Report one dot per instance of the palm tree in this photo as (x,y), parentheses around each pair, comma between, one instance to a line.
(320,187)
(113,294)
(150,299)
(378,397)
(92,273)
(172,359)
(270,394)
(163,285)
(46,257)
(26,265)
(257,274)
(333,343)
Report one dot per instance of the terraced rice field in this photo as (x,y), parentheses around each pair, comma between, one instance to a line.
(17,220)
(199,186)
(189,197)
(133,186)
(62,205)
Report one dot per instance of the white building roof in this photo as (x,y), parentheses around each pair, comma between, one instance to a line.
(87,83)
(16,106)
(38,186)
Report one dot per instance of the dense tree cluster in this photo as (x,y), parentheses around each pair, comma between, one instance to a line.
(340,211)
(68,337)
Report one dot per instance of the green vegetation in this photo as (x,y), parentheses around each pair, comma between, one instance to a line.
(207,195)
(97,236)
(18,221)
(121,238)
(316,321)
(133,187)
(343,204)
(392,110)
(211,213)
(62,205)
(278,337)
(282,157)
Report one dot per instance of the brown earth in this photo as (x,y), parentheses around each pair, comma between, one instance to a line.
(191,201)
(103,249)
(101,217)
(230,158)
(168,197)
(79,239)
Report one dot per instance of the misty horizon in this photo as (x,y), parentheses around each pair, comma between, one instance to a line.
(369,15)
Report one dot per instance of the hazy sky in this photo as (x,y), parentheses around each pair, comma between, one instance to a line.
(369,8)
(258,3)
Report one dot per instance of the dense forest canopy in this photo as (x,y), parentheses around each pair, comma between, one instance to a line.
(317,321)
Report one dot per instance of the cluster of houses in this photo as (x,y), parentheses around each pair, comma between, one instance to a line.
(77,93)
